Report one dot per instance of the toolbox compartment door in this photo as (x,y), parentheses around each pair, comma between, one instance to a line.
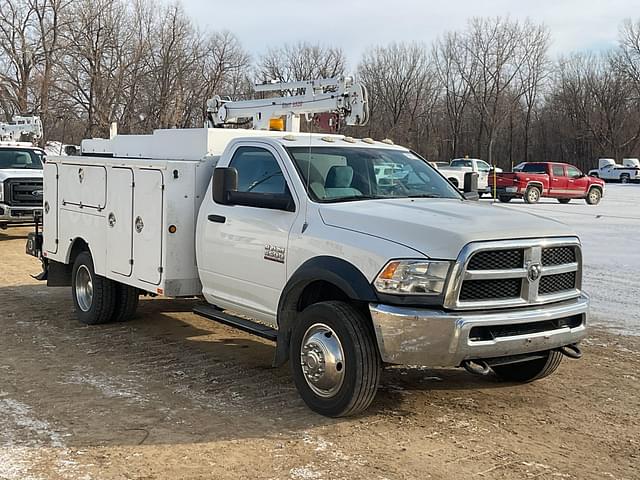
(147,225)
(50,210)
(120,222)
(83,186)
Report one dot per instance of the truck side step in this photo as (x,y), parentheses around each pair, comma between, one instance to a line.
(212,313)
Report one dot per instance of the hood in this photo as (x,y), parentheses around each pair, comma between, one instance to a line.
(19,173)
(439,228)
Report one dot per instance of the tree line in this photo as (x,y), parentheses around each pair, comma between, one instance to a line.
(489,90)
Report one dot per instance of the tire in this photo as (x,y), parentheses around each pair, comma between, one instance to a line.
(530,370)
(93,295)
(594,196)
(454,182)
(504,198)
(624,178)
(351,383)
(126,302)
(564,201)
(532,195)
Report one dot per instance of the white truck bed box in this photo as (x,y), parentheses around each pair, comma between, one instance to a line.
(125,209)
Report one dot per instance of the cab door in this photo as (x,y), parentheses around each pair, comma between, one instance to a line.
(558,181)
(242,250)
(577,182)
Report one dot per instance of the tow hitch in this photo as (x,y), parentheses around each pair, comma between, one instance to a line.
(571,351)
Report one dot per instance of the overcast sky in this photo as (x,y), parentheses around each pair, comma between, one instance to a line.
(357,24)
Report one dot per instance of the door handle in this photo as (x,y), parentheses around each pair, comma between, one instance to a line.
(217,218)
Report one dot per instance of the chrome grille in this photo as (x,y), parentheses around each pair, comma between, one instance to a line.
(557,283)
(497,259)
(558,255)
(515,273)
(483,289)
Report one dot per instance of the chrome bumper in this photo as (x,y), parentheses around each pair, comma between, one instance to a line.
(438,338)
(18,214)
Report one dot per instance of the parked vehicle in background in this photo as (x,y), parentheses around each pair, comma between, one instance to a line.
(533,180)
(610,171)
(458,167)
(21,191)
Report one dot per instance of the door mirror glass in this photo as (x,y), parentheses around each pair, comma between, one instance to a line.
(225,181)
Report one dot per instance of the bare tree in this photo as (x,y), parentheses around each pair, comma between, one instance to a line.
(300,61)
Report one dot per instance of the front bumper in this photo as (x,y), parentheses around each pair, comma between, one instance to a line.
(18,215)
(439,338)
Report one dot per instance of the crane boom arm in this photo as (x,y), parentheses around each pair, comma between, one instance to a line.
(339,95)
(20,125)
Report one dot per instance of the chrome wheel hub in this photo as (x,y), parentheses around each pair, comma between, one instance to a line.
(322,360)
(84,288)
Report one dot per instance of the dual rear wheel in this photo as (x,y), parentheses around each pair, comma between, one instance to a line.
(97,299)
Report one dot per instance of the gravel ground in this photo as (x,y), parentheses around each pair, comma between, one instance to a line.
(171,395)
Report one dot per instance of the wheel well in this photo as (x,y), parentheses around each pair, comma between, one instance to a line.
(599,187)
(454,181)
(319,291)
(535,184)
(79,246)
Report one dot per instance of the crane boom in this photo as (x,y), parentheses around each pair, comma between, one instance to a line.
(342,96)
(12,131)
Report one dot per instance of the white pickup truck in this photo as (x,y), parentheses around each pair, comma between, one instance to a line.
(300,239)
(459,167)
(610,171)
(21,190)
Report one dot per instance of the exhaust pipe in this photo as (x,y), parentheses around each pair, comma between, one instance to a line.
(571,351)
(477,367)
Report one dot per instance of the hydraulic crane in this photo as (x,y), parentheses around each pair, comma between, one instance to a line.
(343,96)
(19,126)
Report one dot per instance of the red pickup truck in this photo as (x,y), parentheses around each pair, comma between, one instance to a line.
(532,180)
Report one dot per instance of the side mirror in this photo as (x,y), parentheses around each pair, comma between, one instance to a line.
(225,181)
(470,190)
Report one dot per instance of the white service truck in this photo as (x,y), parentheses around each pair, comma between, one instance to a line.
(609,171)
(291,237)
(21,191)
(458,168)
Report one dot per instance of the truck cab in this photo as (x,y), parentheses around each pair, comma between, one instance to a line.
(21,190)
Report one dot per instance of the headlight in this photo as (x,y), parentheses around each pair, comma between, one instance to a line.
(413,277)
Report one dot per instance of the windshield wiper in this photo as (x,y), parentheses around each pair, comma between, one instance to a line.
(353,197)
(425,195)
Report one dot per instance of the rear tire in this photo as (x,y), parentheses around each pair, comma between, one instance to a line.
(531,370)
(594,196)
(624,178)
(532,195)
(564,201)
(126,302)
(93,295)
(334,359)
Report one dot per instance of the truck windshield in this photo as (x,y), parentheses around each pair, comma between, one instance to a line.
(340,174)
(20,159)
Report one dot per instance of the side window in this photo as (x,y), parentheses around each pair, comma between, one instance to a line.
(483,166)
(573,172)
(258,171)
(558,171)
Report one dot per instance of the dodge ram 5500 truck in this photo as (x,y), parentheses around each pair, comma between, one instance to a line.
(289,236)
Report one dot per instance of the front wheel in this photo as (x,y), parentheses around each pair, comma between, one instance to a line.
(504,198)
(532,195)
(334,359)
(624,178)
(594,196)
(530,370)
(564,201)
(93,295)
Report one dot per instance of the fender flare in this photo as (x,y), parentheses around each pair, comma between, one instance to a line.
(344,275)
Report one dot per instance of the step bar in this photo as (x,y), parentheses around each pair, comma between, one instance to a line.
(215,314)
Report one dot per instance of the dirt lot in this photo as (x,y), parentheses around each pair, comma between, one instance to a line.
(170,395)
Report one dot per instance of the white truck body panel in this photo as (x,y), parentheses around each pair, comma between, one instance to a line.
(457,173)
